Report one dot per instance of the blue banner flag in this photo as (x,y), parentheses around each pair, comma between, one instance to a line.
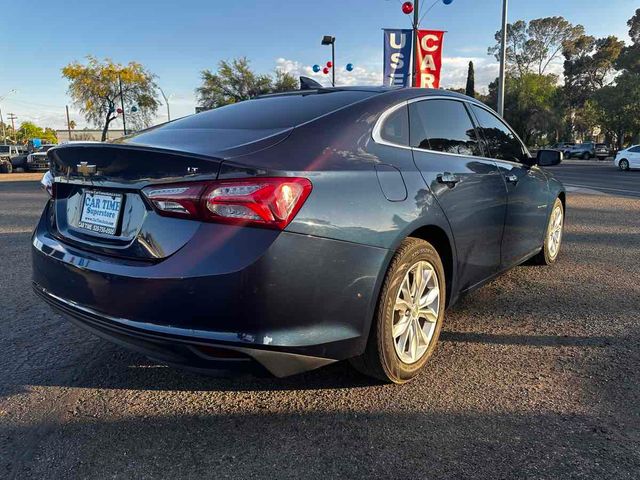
(397,57)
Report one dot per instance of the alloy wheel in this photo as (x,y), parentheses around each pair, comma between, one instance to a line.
(416,312)
(554,236)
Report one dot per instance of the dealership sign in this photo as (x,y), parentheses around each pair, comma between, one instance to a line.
(397,57)
(398,47)
(429,58)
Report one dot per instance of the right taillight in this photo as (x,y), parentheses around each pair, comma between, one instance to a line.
(267,202)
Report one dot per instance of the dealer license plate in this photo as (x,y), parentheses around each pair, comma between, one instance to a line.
(100,212)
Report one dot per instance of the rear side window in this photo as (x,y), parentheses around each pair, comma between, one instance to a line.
(395,128)
(500,140)
(271,112)
(443,126)
(635,149)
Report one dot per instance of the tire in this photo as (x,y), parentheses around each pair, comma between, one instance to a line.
(6,168)
(623,165)
(550,251)
(386,357)
(586,156)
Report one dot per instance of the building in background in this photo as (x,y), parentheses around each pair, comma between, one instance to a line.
(87,134)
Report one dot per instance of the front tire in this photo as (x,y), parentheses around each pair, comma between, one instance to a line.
(586,156)
(409,315)
(553,236)
(6,168)
(623,165)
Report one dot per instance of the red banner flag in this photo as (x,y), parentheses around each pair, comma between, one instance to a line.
(429,59)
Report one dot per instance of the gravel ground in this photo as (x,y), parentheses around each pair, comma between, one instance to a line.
(537,375)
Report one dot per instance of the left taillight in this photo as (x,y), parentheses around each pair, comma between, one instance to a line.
(266,202)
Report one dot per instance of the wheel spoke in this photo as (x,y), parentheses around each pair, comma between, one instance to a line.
(414,343)
(429,315)
(417,281)
(402,325)
(402,305)
(430,297)
(423,335)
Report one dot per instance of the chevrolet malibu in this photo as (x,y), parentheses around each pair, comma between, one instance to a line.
(294,230)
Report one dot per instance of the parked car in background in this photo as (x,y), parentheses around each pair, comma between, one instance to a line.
(628,158)
(37,160)
(585,151)
(294,230)
(563,147)
(602,151)
(12,157)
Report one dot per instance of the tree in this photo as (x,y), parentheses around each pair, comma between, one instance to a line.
(532,47)
(470,90)
(29,130)
(95,89)
(235,82)
(618,106)
(530,106)
(588,67)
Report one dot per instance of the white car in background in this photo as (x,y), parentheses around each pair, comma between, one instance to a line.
(628,158)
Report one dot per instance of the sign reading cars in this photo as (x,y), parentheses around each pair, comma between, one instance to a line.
(429,58)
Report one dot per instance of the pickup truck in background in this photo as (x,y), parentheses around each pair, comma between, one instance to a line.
(12,157)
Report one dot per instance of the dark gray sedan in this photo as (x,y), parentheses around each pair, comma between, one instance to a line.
(295,230)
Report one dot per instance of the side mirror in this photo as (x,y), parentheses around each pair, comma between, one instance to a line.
(548,158)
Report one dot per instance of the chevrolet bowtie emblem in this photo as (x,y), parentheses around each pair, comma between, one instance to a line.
(85,169)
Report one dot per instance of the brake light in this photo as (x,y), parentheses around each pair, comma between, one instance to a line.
(267,202)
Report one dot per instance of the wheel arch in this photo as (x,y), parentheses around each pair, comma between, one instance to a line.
(437,237)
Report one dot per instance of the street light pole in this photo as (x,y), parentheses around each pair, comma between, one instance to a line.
(124,118)
(333,62)
(166,101)
(331,40)
(503,59)
(416,20)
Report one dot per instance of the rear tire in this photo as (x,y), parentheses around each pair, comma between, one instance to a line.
(6,168)
(404,332)
(623,165)
(586,156)
(552,236)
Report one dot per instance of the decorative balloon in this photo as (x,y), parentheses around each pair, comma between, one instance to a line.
(447,2)
(316,68)
(325,70)
(407,8)
(329,64)
(119,110)
(134,109)
(349,67)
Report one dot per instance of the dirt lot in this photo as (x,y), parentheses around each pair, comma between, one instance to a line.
(537,376)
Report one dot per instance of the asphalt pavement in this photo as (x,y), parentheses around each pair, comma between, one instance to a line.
(601,176)
(537,376)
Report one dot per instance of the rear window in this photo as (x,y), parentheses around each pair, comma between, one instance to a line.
(271,112)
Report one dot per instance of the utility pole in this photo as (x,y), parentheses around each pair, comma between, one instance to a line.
(503,59)
(12,117)
(68,123)
(416,20)
(166,102)
(124,118)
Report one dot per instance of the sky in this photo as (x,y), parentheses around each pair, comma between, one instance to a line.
(177,40)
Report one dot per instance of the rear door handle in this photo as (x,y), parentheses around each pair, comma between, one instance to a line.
(448,179)
(512,178)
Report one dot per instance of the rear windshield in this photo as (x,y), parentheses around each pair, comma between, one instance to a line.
(271,112)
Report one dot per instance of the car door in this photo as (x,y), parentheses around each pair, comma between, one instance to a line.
(466,184)
(528,194)
(634,157)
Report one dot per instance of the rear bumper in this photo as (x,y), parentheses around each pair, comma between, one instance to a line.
(301,303)
(184,348)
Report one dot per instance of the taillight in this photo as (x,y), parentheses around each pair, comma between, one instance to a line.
(267,202)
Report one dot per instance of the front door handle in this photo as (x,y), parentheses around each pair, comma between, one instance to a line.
(448,179)
(512,178)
